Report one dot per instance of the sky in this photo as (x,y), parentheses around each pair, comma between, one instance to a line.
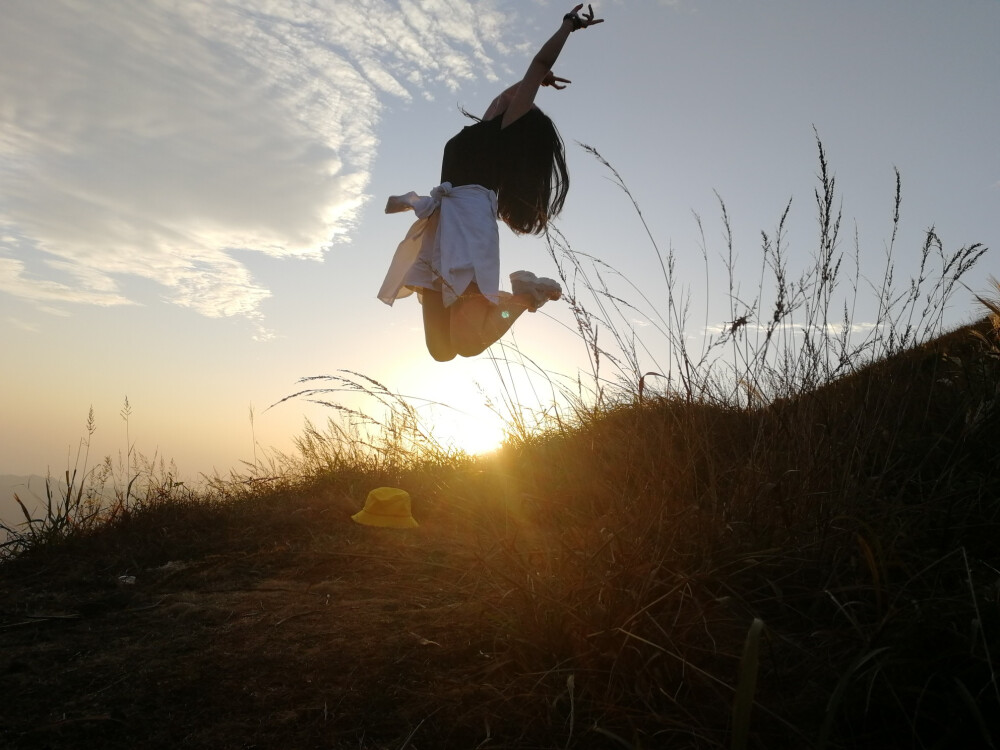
(192,191)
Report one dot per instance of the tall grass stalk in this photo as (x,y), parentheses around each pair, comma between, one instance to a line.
(795,336)
(396,441)
(92,497)
(746,686)
(65,505)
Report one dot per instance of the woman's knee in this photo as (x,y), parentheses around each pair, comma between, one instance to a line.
(442,354)
(439,345)
(469,348)
(467,339)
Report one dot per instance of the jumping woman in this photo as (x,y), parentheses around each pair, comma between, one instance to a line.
(509,166)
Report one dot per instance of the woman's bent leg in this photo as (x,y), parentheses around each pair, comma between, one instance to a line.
(477,323)
(437,326)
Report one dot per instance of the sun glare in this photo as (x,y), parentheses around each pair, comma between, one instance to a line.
(452,405)
(474,431)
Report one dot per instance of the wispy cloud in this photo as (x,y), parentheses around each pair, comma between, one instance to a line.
(14,280)
(165,138)
(23,325)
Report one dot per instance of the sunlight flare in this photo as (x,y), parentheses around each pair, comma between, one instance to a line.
(474,429)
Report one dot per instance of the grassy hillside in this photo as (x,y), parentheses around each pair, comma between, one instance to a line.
(822,572)
(784,540)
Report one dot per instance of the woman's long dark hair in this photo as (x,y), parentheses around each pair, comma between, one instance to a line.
(533,179)
(533,175)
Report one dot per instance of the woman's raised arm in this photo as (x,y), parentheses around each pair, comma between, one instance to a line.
(519,98)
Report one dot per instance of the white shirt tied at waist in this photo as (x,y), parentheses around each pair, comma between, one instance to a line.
(453,243)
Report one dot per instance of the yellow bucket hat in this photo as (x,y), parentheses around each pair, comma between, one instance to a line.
(387,506)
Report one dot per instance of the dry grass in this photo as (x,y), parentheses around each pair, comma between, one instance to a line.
(784,540)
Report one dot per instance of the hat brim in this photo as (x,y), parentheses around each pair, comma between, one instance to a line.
(367,518)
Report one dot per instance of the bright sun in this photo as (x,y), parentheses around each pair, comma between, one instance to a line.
(473,430)
(451,403)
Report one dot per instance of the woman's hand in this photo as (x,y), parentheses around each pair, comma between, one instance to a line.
(540,69)
(582,22)
(553,80)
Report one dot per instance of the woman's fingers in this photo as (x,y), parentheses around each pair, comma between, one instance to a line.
(588,17)
(551,79)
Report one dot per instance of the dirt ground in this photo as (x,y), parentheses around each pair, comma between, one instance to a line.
(301,630)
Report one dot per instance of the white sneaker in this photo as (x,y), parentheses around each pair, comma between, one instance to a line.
(541,290)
